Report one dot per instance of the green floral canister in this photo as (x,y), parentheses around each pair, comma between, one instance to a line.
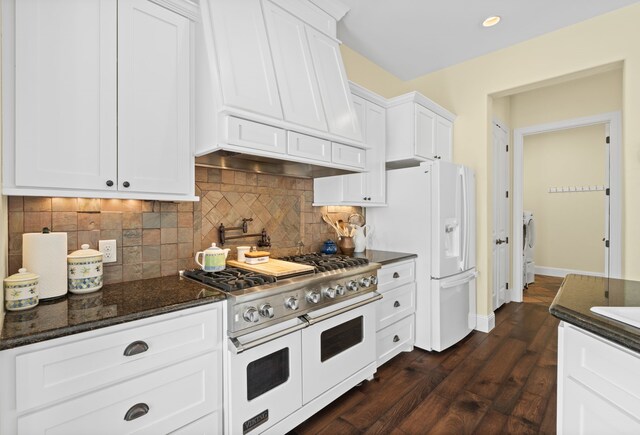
(21,290)
(84,270)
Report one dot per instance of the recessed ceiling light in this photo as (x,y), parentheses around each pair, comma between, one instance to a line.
(491,21)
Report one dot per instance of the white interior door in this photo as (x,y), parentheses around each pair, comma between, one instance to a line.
(500,293)
(607,201)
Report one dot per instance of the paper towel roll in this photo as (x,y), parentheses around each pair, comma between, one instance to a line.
(46,255)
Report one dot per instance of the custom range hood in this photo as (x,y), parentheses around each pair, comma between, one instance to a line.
(272,92)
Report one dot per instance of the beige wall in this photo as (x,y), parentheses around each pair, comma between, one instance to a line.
(569,226)
(466,89)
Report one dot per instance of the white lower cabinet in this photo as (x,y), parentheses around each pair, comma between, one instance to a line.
(156,375)
(598,384)
(395,312)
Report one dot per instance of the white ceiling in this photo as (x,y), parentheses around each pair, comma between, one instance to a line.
(410,38)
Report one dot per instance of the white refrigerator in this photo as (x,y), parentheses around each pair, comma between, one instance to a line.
(431,212)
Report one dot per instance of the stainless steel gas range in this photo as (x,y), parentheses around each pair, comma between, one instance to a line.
(295,343)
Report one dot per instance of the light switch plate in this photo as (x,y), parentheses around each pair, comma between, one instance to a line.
(108,249)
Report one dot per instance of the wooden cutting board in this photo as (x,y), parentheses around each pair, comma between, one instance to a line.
(277,268)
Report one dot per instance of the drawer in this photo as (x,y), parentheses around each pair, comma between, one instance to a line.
(396,274)
(604,367)
(308,147)
(396,338)
(255,135)
(208,425)
(95,361)
(347,155)
(174,396)
(396,304)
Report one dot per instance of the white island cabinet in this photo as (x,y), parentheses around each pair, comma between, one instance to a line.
(156,375)
(97,98)
(598,384)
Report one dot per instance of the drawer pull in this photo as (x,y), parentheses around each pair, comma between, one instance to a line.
(396,339)
(135,348)
(136,411)
(396,275)
(396,304)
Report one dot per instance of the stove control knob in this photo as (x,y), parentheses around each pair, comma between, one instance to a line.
(373,279)
(251,315)
(266,310)
(330,292)
(340,290)
(352,285)
(313,297)
(291,303)
(365,282)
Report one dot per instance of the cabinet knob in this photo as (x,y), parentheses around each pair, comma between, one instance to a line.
(109,183)
(396,275)
(396,339)
(136,411)
(126,184)
(396,304)
(135,348)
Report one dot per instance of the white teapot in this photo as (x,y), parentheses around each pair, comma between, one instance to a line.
(360,238)
(214,258)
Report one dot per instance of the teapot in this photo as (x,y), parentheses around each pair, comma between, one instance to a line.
(214,258)
(359,237)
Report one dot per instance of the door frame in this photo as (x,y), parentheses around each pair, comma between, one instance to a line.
(613,119)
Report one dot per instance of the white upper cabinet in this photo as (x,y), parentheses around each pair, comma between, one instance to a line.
(294,68)
(99,93)
(417,130)
(154,55)
(65,94)
(246,70)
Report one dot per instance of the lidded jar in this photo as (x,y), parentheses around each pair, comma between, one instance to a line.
(84,270)
(21,290)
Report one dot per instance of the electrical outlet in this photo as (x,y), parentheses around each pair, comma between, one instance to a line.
(108,249)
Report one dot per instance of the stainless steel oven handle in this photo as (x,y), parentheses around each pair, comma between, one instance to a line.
(315,320)
(240,347)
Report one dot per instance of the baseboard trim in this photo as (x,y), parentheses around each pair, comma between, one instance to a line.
(485,323)
(561,273)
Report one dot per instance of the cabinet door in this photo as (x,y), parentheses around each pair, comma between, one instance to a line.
(65,93)
(354,186)
(376,139)
(425,132)
(246,69)
(296,77)
(444,138)
(334,87)
(154,86)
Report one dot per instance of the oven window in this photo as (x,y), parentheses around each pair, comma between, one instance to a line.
(340,338)
(266,373)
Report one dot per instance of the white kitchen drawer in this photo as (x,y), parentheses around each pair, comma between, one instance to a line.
(175,396)
(396,304)
(396,274)
(255,135)
(603,366)
(396,338)
(93,361)
(309,147)
(348,155)
(208,425)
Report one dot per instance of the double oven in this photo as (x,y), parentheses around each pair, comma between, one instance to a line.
(297,345)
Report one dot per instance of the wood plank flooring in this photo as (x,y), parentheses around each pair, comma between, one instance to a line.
(501,382)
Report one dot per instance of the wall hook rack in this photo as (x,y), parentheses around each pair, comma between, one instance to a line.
(265,239)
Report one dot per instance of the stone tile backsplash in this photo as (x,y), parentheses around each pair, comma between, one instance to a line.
(156,238)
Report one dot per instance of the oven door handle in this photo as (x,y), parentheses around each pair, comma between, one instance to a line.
(241,347)
(314,320)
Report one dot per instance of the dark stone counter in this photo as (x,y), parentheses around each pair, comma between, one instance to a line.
(112,305)
(384,257)
(579,293)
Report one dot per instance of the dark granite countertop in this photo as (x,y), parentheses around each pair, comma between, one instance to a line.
(579,293)
(384,257)
(112,305)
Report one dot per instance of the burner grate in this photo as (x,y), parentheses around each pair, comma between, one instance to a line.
(230,279)
(325,262)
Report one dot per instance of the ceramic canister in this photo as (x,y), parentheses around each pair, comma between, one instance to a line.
(84,270)
(21,290)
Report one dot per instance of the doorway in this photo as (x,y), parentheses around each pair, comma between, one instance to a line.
(612,241)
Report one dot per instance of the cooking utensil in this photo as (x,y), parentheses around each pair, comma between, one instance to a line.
(356,219)
(328,220)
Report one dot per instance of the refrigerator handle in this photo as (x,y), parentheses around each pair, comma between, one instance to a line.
(465,219)
(469,277)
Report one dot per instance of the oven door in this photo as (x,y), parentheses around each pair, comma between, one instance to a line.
(339,342)
(265,380)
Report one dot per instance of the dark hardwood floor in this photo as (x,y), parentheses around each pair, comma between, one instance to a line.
(501,382)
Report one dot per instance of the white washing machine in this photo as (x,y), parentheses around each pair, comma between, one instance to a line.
(528,249)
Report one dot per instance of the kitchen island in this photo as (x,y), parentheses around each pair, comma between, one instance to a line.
(598,357)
